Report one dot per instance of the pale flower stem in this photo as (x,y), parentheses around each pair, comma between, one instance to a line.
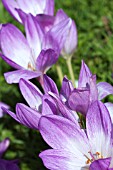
(40,79)
(69,65)
(59,72)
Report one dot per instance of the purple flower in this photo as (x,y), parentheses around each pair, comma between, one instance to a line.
(73,148)
(88,91)
(35,8)
(40,104)
(1,111)
(34,55)
(5,164)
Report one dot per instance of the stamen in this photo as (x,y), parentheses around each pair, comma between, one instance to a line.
(30,66)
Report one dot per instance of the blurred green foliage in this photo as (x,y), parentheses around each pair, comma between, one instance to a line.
(94,20)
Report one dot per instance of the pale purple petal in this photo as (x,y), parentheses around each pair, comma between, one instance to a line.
(66,89)
(13,115)
(98,125)
(49,85)
(79,100)
(110,109)
(62,159)
(10,62)
(15,46)
(60,133)
(46,59)
(101,164)
(84,75)
(3,146)
(49,7)
(27,116)
(34,35)
(10,6)
(93,89)
(48,106)
(104,89)
(56,36)
(71,41)
(14,76)
(1,111)
(60,16)
(31,93)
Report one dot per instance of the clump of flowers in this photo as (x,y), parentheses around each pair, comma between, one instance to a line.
(74,122)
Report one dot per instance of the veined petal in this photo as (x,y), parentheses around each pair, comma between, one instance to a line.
(46,59)
(104,89)
(110,109)
(34,35)
(101,164)
(58,159)
(3,146)
(15,46)
(31,93)
(66,89)
(48,106)
(60,16)
(64,110)
(98,125)
(27,116)
(56,36)
(84,75)
(71,41)
(10,62)
(93,89)
(14,76)
(10,6)
(60,133)
(49,85)
(79,100)
(49,7)
(1,111)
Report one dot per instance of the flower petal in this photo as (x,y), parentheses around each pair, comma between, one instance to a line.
(101,164)
(84,75)
(104,89)
(60,133)
(1,111)
(46,59)
(6,165)
(27,116)
(14,76)
(15,46)
(34,35)
(62,159)
(66,89)
(79,100)
(3,146)
(49,85)
(31,93)
(99,128)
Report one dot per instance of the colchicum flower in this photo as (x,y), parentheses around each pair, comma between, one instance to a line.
(41,104)
(34,55)
(74,148)
(5,164)
(88,91)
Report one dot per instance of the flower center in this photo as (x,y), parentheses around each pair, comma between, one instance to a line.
(94,157)
(30,67)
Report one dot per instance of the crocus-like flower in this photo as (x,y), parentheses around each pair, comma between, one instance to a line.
(34,55)
(1,111)
(74,148)
(40,104)
(5,164)
(35,7)
(88,91)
